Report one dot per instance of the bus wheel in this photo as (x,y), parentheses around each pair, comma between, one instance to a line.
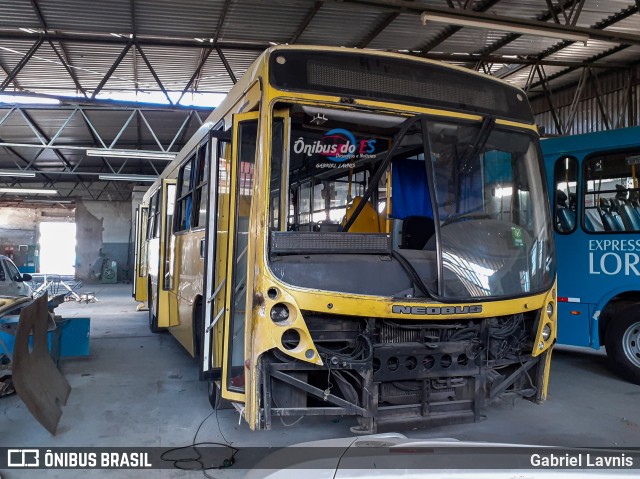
(197,333)
(623,345)
(153,321)
(214,394)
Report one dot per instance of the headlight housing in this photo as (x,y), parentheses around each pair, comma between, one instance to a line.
(546,332)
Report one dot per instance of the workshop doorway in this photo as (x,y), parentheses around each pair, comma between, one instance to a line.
(57,248)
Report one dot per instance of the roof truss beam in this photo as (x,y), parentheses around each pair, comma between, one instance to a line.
(227,67)
(23,61)
(112,69)
(627,12)
(305,23)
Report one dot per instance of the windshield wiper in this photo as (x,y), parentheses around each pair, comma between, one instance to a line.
(373,182)
(478,144)
(411,271)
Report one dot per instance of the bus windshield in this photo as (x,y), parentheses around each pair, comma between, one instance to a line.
(363,208)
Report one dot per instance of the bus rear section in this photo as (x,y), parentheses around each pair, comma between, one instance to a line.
(374,257)
(596,211)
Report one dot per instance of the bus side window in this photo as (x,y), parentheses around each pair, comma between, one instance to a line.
(565,202)
(184,199)
(611,189)
(200,186)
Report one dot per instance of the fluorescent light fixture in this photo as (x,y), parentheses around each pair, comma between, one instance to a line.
(154,155)
(29,191)
(30,30)
(505,26)
(117,177)
(55,202)
(18,173)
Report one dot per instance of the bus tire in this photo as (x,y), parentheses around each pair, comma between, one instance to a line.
(213,391)
(153,322)
(623,344)
(197,330)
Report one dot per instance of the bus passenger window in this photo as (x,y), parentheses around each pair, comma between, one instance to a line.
(611,193)
(565,197)
(200,191)
(184,199)
(153,226)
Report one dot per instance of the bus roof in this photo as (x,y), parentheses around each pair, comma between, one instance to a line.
(601,140)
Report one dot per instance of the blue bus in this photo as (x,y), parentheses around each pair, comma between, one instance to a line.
(593,181)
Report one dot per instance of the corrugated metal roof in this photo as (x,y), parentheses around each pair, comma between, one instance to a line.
(18,14)
(184,18)
(79,15)
(342,24)
(255,20)
(174,35)
(252,24)
(406,33)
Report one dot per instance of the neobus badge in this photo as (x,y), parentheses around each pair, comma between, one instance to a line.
(423,310)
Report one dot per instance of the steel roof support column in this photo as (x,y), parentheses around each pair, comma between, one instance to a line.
(153,72)
(64,57)
(542,18)
(180,130)
(226,65)
(221,19)
(378,30)
(633,96)
(112,69)
(548,95)
(134,29)
(573,108)
(573,17)
(305,23)
(598,91)
(624,101)
(204,56)
(6,72)
(23,61)
(41,134)
(602,25)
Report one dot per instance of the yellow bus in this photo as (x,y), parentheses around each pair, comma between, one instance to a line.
(359,233)
(139,283)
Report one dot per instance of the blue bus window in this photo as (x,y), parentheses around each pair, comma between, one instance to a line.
(611,192)
(565,187)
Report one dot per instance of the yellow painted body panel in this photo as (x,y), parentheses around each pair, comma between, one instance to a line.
(140,267)
(160,295)
(188,279)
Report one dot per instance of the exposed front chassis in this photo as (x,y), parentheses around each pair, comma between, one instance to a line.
(405,373)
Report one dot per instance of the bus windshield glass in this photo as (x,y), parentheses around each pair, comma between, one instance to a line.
(364,213)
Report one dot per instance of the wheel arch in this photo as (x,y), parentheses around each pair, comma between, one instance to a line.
(611,306)
(197,303)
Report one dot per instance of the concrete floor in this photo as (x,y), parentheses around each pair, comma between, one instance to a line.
(141,389)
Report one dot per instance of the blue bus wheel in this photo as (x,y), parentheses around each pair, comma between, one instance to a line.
(623,344)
